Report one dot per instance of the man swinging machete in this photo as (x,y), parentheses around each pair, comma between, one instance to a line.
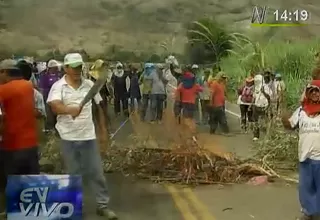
(71,99)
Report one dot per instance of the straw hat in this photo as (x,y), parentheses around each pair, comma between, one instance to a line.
(249,79)
(96,68)
(221,75)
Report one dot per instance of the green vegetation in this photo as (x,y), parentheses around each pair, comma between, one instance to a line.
(294,60)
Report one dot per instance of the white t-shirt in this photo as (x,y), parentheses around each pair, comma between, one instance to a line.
(309,134)
(81,128)
(259,98)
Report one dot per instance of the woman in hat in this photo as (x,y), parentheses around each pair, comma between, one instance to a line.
(245,102)
(307,119)
(261,103)
(46,80)
(121,84)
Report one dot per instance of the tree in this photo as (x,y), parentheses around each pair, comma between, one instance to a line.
(155,58)
(208,36)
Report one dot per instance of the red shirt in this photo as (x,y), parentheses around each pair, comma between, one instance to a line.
(188,95)
(20,123)
(218,98)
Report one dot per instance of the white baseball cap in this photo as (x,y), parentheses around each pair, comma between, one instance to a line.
(53,63)
(73,60)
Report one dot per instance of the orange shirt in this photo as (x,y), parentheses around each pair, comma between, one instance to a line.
(218,98)
(20,124)
(188,95)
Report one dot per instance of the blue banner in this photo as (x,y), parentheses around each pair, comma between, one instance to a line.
(44,197)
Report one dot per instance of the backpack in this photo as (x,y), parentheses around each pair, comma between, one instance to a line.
(247,94)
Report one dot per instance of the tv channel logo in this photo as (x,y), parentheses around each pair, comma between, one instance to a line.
(44,197)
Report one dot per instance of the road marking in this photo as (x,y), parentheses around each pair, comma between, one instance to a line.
(233,113)
(180,203)
(199,206)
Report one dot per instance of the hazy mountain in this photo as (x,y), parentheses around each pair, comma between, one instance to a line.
(134,24)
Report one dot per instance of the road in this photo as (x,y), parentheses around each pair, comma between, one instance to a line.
(143,200)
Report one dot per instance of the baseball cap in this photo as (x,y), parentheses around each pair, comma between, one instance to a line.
(278,75)
(148,65)
(53,63)
(194,66)
(73,60)
(8,64)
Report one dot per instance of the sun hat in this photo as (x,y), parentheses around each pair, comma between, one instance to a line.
(73,60)
(249,79)
(53,63)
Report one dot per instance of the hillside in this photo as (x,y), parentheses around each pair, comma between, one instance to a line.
(137,25)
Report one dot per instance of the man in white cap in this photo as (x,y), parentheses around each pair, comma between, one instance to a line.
(77,131)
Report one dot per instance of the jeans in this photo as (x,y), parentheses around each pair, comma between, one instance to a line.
(259,114)
(309,186)
(19,162)
(117,104)
(186,109)
(144,106)
(205,110)
(246,115)
(83,158)
(218,118)
(157,104)
(132,103)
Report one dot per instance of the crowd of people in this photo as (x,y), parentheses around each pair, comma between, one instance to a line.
(54,93)
(260,99)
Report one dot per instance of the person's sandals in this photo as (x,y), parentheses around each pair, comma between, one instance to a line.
(108,213)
